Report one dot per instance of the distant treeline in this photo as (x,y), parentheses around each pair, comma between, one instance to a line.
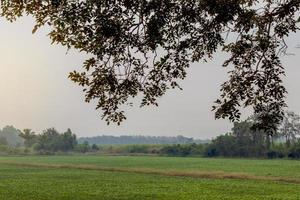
(125,139)
(244,140)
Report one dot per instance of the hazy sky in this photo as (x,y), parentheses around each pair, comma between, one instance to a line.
(36,93)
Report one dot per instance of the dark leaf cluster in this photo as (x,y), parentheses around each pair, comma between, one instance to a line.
(144,47)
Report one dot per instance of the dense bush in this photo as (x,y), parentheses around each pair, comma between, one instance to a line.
(183,150)
(9,150)
(294,150)
(83,148)
(130,149)
(275,154)
(224,145)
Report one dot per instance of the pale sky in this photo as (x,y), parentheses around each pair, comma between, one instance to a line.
(36,93)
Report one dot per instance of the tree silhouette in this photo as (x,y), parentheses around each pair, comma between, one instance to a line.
(143,47)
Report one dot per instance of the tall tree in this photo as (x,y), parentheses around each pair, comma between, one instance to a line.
(69,140)
(145,46)
(29,137)
(290,127)
(250,141)
(52,141)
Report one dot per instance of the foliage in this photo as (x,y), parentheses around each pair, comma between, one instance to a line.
(224,145)
(95,147)
(183,150)
(243,141)
(10,150)
(29,137)
(3,141)
(140,47)
(277,150)
(294,150)
(82,148)
(130,149)
(250,142)
(124,139)
(11,134)
(290,127)
(52,141)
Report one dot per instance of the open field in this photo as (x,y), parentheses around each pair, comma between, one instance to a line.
(138,178)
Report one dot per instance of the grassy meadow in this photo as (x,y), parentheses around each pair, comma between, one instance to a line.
(139,178)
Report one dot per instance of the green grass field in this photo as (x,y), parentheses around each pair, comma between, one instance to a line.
(139,178)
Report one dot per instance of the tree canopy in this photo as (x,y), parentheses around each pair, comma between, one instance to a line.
(144,47)
(11,135)
(29,137)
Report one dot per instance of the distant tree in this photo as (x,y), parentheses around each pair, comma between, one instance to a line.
(12,135)
(223,145)
(143,48)
(250,141)
(261,133)
(29,137)
(51,140)
(69,140)
(290,127)
(243,134)
(242,141)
